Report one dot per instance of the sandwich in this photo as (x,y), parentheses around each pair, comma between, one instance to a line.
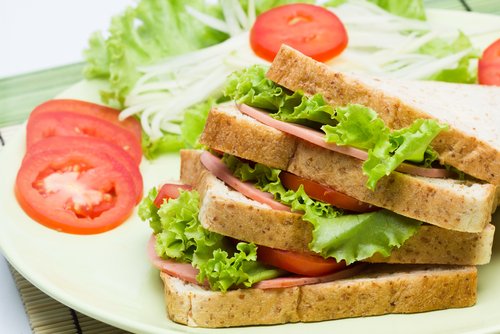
(247,238)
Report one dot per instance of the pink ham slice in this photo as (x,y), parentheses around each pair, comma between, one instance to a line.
(317,138)
(222,172)
(187,272)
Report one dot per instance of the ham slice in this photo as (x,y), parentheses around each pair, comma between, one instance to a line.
(222,172)
(317,138)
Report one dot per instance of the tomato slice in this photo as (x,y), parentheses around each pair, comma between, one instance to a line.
(91,109)
(298,263)
(322,193)
(168,191)
(81,191)
(488,70)
(69,144)
(61,123)
(312,30)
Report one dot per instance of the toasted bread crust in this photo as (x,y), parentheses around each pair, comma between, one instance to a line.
(224,213)
(472,144)
(446,203)
(381,289)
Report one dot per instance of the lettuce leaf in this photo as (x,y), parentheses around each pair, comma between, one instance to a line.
(349,237)
(241,269)
(412,9)
(360,127)
(180,236)
(462,72)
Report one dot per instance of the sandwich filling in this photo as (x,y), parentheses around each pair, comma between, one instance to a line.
(354,125)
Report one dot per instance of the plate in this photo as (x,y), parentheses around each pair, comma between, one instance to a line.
(108,276)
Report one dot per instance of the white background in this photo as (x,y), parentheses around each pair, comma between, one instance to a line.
(37,35)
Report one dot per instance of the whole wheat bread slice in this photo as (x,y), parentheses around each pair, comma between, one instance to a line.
(473,112)
(381,289)
(229,213)
(451,204)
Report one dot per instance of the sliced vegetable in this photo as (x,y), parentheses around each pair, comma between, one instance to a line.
(298,263)
(75,191)
(313,30)
(91,109)
(221,171)
(489,65)
(322,193)
(72,144)
(61,123)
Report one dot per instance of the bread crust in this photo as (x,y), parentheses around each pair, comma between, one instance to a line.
(380,289)
(472,144)
(461,206)
(222,211)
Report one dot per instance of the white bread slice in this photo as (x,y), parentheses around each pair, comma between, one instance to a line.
(380,289)
(229,213)
(473,111)
(455,205)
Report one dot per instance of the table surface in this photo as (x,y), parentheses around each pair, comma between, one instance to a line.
(37,35)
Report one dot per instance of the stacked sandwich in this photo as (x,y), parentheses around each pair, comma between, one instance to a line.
(323,195)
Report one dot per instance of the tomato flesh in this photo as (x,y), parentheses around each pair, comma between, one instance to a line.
(74,143)
(489,65)
(80,191)
(322,193)
(91,109)
(50,124)
(312,30)
(168,191)
(298,263)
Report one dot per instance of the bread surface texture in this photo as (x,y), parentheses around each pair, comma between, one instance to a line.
(472,144)
(451,204)
(380,289)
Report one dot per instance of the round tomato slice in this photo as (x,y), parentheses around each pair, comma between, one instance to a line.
(298,263)
(312,30)
(321,193)
(69,144)
(61,123)
(91,109)
(488,70)
(168,191)
(81,191)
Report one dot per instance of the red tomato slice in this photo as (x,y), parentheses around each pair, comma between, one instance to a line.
(91,109)
(298,263)
(81,191)
(489,65)
(61,123)
(168,191)
(69,144)
(312,30)
(321,193)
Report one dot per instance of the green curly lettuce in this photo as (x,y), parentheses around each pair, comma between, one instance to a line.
(180,236)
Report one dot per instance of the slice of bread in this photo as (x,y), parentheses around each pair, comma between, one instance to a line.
(229,213)
(451,204)
(473,142)
(380,289)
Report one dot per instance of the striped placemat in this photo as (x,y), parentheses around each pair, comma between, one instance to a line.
(18,96)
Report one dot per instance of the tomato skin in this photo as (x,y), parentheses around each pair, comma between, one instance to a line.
(298,263)
(74,143)
(488,70)
(49,124)
(55,210)
(168,191)
(312,30)
(90,109)
(322,193)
